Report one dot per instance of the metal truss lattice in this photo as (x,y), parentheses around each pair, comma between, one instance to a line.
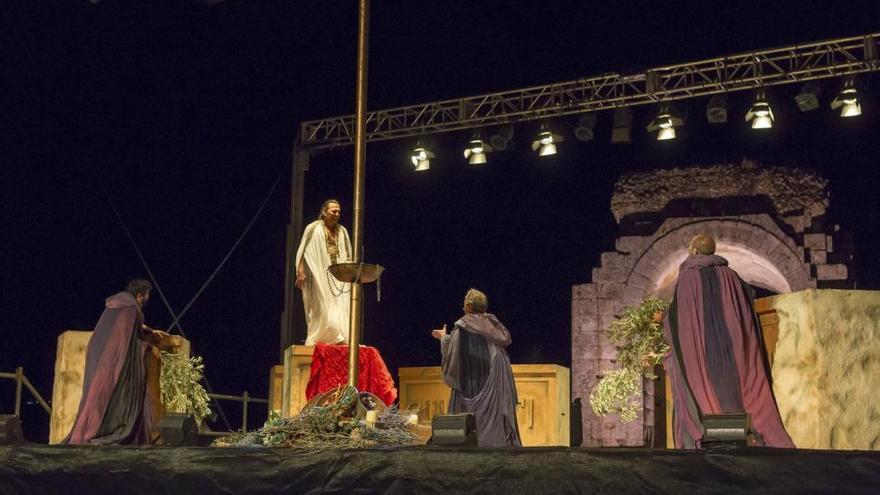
(765,68)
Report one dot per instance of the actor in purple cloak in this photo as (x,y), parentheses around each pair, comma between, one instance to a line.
(476,365)
(716,340)
(115,408)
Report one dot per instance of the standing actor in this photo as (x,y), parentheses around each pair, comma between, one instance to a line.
(717,362)
(476,365)
(327,308)
(114,408)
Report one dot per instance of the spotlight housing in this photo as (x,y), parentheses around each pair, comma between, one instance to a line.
(501,139)
(847,101)
(545,142)
(808,99)
(622,125)
(760,114)
(476,151)
(664,124)
(716,109)
(584,129)
(421,158)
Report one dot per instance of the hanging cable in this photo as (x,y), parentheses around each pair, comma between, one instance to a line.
(231,250)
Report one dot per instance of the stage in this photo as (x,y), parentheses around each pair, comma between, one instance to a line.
(190,470)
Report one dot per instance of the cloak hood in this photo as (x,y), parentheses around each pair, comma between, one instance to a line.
(120,300)
(487,325)
(697,261)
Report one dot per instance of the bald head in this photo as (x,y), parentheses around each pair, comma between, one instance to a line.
(702,244)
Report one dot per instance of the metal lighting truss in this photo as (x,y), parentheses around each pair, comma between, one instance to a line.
(772,67)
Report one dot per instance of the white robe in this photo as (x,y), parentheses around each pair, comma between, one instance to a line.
(327,314)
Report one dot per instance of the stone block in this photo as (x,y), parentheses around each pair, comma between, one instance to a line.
(606,306)
(609,352)
(773,247)
(629,244)
(608,275)
(797,223)
(586,327)
(581,307)
(646,271)
(580,343)
(638,280)
(583,291)
(632,295)
(611,260)
(808,220)
(829,244)
(837,271)
(605,322)
(818,256)
(610,290)
(815,241)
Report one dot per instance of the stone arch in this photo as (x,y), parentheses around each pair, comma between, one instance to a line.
(762,256)
(768,221)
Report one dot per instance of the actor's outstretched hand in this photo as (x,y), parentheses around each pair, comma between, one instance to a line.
(439,333)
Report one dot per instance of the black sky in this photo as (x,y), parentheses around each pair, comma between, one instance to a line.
(186,115)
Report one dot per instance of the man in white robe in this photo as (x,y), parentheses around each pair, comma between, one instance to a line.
(326,300)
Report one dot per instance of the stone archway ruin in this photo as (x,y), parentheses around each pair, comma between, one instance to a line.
(768,222)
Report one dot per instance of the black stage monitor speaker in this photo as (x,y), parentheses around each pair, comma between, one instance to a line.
(179,429)
(729,429)
(10,430)
(459,430)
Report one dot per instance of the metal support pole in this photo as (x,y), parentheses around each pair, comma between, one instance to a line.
(33,390)
(244,413)
(19,375)
(360,158)
(293,325)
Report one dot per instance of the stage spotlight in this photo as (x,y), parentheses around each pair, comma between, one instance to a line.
(545,142)
(421,159)
(847,101)
(730,429)
(454,430)
(760,114)
(502,137)
(664,124)
(476,151)
(622,125)
(10,430)
(584,129)
(716,110)
(808,99)
(178,429)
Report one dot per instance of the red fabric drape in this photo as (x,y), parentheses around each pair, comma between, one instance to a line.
(330,370)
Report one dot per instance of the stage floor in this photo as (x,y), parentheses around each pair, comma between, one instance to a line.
(195,470)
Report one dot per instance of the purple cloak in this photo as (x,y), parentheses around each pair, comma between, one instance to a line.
(477,368)
(715,337)
(114,408)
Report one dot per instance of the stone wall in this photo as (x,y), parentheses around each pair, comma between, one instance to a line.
(825,368)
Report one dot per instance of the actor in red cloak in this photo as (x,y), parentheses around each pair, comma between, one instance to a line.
(114,408)
(715,338)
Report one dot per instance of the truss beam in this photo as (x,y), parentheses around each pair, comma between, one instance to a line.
(765,68)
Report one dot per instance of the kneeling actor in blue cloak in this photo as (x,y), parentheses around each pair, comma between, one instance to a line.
(476,365)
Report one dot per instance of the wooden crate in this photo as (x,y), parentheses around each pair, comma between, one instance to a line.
(543,410)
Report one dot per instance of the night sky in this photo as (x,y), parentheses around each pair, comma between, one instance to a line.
(182,116)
